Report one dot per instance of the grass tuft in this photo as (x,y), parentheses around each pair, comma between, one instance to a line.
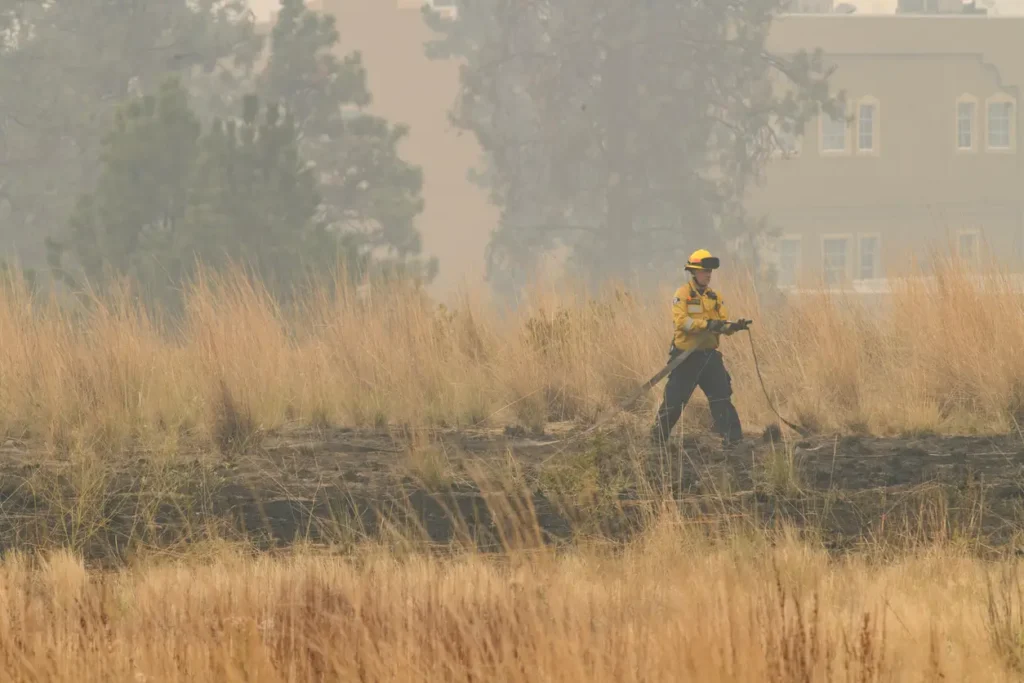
(235,428)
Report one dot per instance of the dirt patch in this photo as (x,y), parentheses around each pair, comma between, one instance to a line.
(490,488)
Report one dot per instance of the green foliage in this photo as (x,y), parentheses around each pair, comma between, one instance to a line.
(67,66)
(141,196)
(371,196)
(171,196)
(288,184)
(625,134)
(586,485)
(254,199)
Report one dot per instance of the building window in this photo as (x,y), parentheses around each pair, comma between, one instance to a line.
(788,261)
(967,246)
(788,144)
(870,257)
(833,133)
(834,259)
(1000,124)
(965,124)
(866,122)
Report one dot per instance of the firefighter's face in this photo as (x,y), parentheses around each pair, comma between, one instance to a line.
(703,277)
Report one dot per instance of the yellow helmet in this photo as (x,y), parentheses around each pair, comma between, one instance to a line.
(702,260)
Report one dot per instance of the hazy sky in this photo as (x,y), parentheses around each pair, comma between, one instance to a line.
(263,8)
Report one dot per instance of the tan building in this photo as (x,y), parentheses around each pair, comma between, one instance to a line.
(929,157)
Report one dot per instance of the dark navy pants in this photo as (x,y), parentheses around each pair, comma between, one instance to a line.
(704,369)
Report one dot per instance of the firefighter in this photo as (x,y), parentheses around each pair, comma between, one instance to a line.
(700,318)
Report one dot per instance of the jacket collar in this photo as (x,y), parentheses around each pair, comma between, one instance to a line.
(696,292)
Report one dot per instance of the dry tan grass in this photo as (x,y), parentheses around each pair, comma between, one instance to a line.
(673,607)
(938,356)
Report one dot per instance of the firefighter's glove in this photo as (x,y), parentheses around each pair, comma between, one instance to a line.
(717,326)
(741,324)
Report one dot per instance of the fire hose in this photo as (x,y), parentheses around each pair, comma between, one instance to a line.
(672,364)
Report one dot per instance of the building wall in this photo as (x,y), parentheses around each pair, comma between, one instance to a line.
(915,190)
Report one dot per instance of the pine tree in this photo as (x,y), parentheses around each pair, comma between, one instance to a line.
(371,196)
(142,195)
(170,198)
(256,201)
(67,66)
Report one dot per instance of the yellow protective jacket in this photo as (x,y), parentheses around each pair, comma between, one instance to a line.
(691,311)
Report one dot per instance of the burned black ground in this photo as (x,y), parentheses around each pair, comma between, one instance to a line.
(499,487)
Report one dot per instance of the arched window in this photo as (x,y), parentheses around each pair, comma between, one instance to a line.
(833,133)
(1000,123)
(966,131)
(867,132)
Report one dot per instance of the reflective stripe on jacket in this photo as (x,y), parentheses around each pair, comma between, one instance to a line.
(691,311)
